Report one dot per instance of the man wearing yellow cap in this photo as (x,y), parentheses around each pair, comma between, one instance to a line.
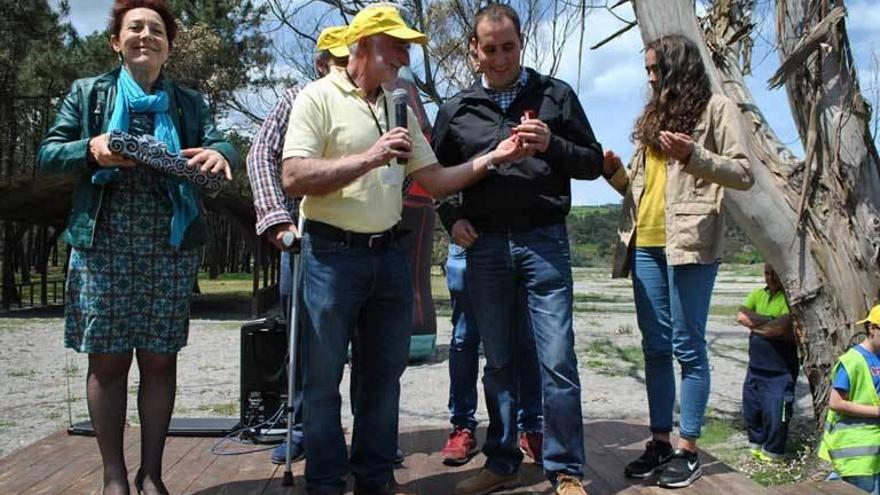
(851,441)
(347,155)
(275,212)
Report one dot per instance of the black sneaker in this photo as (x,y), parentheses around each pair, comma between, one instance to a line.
(682,470)
(657,454)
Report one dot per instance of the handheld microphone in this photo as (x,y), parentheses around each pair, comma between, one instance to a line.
(400,97)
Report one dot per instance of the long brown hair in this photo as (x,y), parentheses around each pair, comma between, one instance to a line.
(683,93)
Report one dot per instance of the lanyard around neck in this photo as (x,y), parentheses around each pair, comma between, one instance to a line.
(370,107)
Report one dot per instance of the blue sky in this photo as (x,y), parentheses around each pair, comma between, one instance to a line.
(613,88)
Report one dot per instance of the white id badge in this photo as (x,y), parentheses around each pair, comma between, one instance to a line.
(392,175)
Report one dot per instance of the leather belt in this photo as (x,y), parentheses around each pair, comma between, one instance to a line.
(376,240)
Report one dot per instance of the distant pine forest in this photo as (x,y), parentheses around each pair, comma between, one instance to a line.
(592,231)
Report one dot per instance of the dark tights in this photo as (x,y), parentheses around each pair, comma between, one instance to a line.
(107,391)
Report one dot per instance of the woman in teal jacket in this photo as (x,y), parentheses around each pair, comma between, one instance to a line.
(134,233)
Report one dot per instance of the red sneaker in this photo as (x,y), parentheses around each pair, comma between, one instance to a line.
(460,448)
(531,443)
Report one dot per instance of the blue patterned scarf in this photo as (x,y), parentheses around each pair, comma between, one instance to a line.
(129,95)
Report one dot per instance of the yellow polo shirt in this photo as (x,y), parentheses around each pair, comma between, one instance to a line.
(651,221)
(331,119)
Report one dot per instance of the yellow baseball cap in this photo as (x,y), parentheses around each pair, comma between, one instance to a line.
(333,39)
(873,316)
(387,20)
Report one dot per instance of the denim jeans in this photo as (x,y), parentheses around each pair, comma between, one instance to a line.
(464,358)
(499,267)
(285,287)
(672,306)
(347,287)
(870,484)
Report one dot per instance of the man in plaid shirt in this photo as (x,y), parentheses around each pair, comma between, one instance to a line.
(276,213)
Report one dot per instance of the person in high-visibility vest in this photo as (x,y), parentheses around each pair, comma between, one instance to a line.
(852,428)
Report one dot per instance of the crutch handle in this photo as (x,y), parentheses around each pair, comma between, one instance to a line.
(290,241)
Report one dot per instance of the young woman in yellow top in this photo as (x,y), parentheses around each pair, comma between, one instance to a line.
(688,148)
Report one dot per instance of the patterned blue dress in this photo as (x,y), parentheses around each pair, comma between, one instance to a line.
(131,289)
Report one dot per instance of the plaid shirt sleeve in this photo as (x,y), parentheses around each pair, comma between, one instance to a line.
(264,166)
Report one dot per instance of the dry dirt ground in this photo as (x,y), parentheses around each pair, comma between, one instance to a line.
(43,385)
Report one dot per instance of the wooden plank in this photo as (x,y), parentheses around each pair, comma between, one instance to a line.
(92,478)
(25,467)
(799,489)
(607,454)
(247,472)
(71,465)
(836,487)
(184,473)
(624,441)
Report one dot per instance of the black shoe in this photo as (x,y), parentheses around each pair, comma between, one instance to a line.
(657,454)
(682,470)
(398,456)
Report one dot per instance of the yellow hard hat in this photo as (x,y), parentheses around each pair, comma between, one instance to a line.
(333,39)
(387,20)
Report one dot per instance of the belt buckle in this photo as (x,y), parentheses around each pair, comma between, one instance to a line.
(376,241)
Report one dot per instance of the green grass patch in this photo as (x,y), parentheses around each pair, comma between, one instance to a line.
(725,438)
(71,369)
(717,431)
(243,288)
(6,424)
(739,347)
(724,309)
(607,358)
(443,306)
(595,297)
(223,409)
(22,373)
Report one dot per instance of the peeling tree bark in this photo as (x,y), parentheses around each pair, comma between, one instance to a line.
(817,223)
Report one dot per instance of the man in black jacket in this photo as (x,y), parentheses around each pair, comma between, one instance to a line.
(518,241)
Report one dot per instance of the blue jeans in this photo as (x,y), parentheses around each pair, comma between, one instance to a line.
(870,484)
(672,306)
(500,267)
(347,287)
(464,358)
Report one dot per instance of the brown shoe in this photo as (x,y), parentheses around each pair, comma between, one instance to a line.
(485,481)
(569,485)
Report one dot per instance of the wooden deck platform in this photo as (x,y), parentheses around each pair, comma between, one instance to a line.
(62,464)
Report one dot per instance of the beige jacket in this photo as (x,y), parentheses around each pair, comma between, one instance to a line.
(694,191)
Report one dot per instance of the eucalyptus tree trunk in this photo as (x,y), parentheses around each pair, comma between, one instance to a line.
(815,220)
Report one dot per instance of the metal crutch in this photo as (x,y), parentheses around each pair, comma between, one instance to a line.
(293,243)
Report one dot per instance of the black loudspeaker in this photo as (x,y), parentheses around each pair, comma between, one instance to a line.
(263,371)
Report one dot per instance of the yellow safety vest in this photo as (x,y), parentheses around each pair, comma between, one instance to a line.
(851,443)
